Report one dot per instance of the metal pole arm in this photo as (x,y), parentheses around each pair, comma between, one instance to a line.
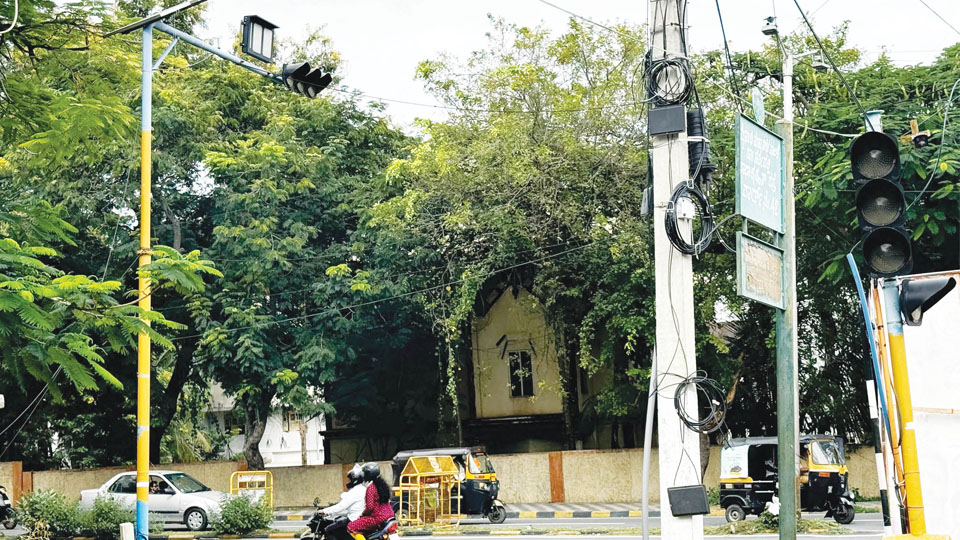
(200,44)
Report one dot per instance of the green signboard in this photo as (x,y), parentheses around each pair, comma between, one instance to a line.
(759,271)
(759,170)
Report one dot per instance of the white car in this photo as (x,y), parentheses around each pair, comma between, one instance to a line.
(174,497)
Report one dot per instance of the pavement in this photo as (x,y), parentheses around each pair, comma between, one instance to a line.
(547,521)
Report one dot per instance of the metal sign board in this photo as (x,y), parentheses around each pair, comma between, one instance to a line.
(759,271)
(759,174)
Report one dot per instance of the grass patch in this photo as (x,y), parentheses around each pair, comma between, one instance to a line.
(756,526)
(865,509)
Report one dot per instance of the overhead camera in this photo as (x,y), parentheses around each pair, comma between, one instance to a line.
(917,137)
(770,27)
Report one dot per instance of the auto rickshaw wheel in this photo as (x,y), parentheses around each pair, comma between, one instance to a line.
(734,512)
(498,514)
(844,514)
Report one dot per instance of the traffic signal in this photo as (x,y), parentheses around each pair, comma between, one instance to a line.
(881,205)
(302,79)
(917,296)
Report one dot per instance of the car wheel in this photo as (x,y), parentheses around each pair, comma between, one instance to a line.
(844,514)
(195,519)
(734,512)
(498,514)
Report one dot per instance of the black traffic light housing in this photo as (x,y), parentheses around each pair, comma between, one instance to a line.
(301,78)
(881,204)
(917,296)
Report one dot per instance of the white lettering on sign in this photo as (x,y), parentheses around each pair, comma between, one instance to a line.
(759,175)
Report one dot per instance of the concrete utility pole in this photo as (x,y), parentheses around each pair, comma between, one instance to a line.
(788,395)
(676,349)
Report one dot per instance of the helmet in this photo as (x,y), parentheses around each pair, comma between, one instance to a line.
(370,471)
(354,475)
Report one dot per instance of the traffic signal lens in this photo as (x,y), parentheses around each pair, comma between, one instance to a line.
(880,202)
(887,251)
(874,155)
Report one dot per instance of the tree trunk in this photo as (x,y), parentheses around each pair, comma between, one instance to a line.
(303,442)
(704,455)
(166,407)
(257,411)
(566,359)
(172,218)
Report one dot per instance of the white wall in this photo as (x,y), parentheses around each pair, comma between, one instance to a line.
(279,448)
(933,362)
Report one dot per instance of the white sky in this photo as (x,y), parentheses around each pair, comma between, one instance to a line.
(382,41)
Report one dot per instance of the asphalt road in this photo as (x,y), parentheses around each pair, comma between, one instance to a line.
(870,525)
(865,526)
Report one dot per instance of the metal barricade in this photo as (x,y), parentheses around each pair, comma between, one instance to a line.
(258,485)
(430,491)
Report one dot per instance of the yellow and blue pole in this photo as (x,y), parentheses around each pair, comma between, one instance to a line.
(143,339)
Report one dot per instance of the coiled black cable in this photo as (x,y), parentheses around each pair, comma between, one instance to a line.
(715,398)
(689,191)
(669,81)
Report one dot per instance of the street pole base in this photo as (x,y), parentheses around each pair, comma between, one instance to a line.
(917,537)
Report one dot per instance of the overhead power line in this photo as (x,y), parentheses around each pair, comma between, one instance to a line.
(16,15)
(952,27)
(826,55)
(395,297)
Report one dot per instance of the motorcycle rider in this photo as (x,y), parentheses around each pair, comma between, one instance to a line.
(377,502)
(334,519)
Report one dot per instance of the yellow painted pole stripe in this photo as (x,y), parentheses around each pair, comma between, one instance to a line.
(908,439)
(143,339)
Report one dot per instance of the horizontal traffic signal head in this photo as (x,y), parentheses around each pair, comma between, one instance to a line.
(306,81)
(917,296)
(875,155)
(888,251)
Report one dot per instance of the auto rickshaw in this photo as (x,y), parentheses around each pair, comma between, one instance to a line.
(748,477)
(479,486)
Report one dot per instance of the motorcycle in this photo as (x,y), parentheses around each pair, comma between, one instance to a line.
(8,516)
(317,523)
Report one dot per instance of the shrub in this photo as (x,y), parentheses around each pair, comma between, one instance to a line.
(103,520)
(240,515)
(60,515)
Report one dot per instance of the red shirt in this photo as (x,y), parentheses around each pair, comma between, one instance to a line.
(374,515)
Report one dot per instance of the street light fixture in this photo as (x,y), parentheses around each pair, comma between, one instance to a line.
(258,38)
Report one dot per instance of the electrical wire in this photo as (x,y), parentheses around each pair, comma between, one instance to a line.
(943,142)
(36,405)
(726,47)
(669,80)
(826,55)
(952,27)
(715,397)
(671,222)
(387,299)
(16,15)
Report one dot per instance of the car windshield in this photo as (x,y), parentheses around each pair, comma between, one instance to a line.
(479,464)
(826,453)
(186,483)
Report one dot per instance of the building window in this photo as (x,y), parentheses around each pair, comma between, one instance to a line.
(521,374)
(291,421)
(234,422)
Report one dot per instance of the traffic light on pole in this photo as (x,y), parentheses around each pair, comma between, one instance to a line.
(302,79)
(881,205)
